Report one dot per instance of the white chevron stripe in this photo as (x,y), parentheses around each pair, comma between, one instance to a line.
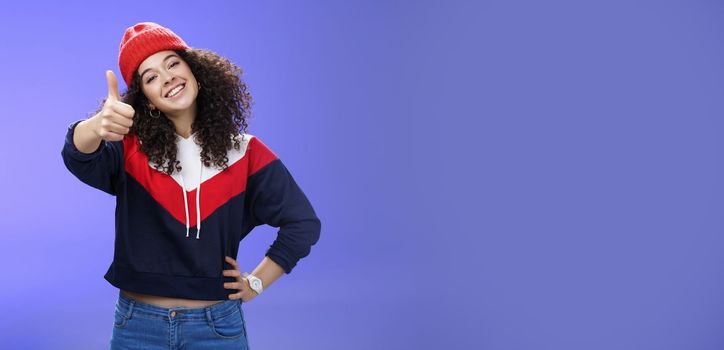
(189,153)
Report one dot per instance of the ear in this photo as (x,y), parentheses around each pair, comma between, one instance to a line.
(151,106)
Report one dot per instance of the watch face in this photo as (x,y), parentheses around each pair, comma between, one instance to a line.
(256,283)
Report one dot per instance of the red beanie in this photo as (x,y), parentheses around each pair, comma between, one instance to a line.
(143,40)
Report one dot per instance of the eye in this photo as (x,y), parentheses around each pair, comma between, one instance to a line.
(151,78)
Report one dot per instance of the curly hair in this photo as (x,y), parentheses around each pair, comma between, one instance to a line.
(223,108)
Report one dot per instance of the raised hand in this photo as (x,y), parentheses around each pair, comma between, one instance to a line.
(115,118)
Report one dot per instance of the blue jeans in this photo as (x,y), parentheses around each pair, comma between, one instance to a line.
(138,325)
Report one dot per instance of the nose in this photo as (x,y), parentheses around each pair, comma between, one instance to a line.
(167,78)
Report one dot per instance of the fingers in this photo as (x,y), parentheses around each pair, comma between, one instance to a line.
(232,262)
(125,111)
(111,136)
(116,124)
(231,273)
(244,295)
(234,285)
(113,127)
(112,85)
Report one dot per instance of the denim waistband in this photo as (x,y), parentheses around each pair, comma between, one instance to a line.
(128,305)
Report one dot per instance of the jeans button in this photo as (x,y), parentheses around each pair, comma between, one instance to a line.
(173,313)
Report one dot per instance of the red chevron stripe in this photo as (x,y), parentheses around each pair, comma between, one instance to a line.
(214,192)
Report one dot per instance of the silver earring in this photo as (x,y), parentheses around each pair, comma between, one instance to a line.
(158,114)
(199,84)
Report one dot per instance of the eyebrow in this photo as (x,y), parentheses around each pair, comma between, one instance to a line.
(164,60)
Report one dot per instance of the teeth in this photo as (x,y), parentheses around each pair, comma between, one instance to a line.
(173,92)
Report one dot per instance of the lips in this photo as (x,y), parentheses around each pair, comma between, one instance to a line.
(175,90)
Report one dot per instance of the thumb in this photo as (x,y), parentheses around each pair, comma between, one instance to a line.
(112,85)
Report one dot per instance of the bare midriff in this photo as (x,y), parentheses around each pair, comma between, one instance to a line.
(169,302)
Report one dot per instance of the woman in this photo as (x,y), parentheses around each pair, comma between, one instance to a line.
(180,128)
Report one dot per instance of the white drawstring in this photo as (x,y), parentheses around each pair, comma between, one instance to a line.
(186,204)
(198,201)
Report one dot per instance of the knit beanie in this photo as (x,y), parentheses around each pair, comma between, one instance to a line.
(142,40)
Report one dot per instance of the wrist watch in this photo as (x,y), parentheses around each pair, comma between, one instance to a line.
(255,283)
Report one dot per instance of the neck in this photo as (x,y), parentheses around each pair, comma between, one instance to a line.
(182,120)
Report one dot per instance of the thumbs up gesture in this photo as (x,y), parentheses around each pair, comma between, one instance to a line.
(115,118)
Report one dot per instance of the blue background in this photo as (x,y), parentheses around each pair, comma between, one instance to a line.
(489,175)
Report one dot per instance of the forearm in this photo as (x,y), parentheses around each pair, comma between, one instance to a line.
(268,271)
(85,137)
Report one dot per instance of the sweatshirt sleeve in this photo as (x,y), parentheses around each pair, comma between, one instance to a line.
(275,199)
(99,169)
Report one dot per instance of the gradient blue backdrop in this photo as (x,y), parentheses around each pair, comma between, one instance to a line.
(489,175)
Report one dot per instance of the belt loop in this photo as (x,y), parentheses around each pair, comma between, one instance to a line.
(131,304)
(209,319)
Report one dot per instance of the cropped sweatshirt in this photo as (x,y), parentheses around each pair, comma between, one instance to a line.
(172,232)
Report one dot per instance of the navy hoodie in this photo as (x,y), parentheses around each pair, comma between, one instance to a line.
(173,231)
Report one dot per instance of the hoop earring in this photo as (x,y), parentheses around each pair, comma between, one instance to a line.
(199,84)
(154,116)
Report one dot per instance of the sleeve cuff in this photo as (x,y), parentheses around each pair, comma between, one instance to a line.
(281,258)
(72,151)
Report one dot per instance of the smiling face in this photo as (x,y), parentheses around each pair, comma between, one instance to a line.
(168,83)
